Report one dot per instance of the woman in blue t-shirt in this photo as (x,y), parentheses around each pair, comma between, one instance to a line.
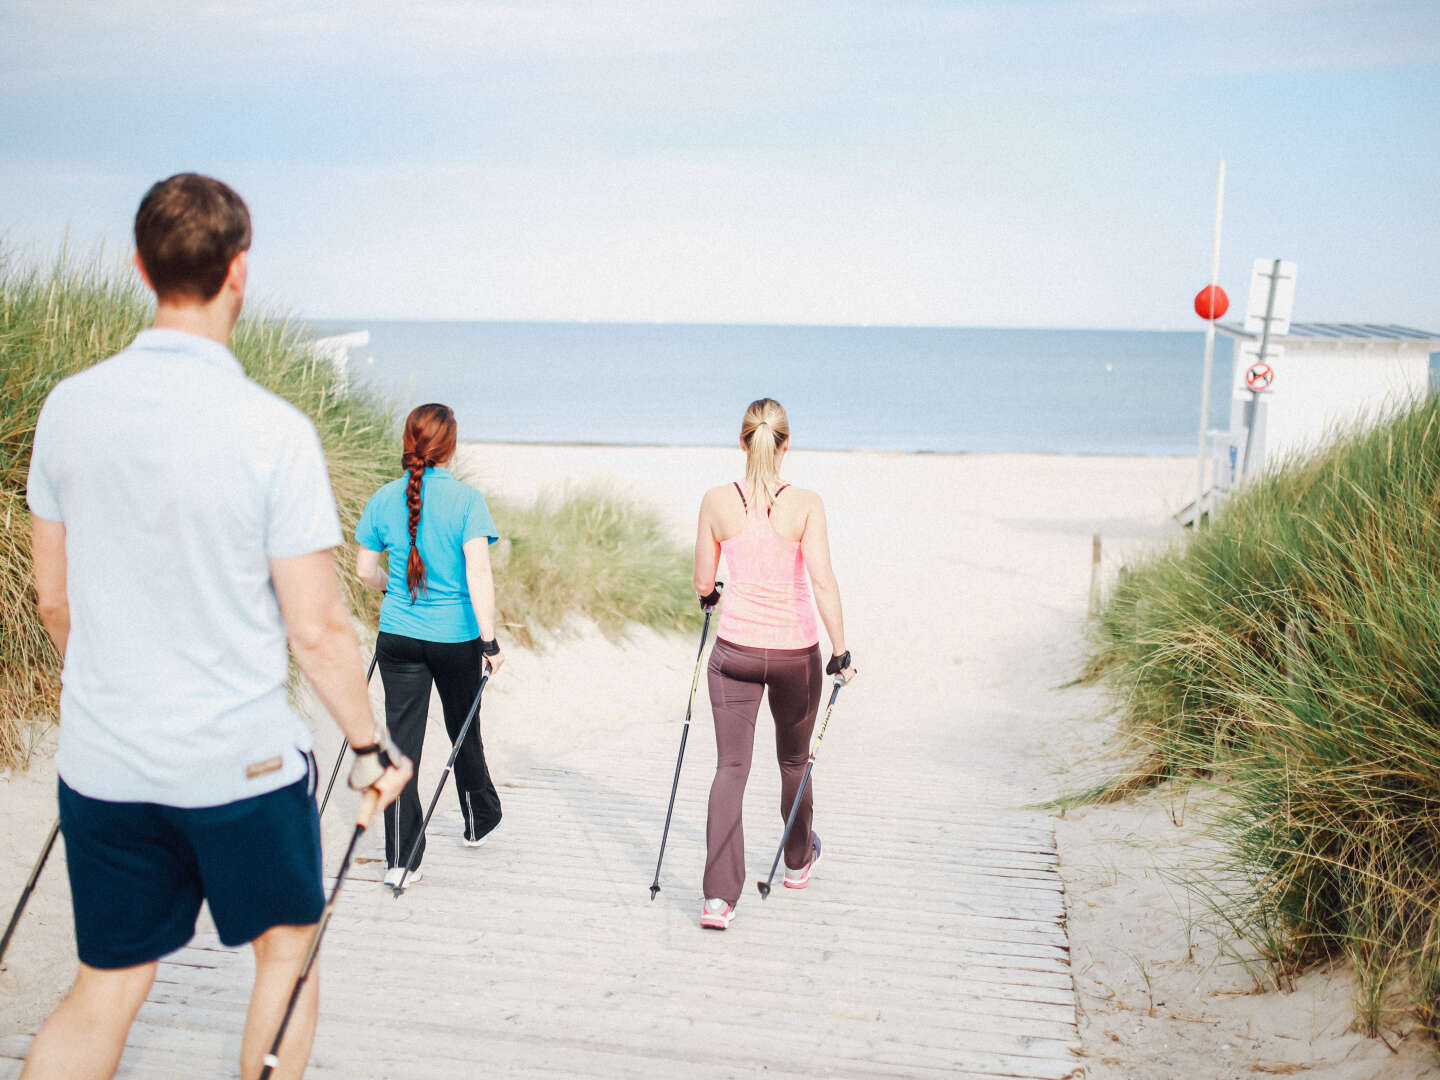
(437,622)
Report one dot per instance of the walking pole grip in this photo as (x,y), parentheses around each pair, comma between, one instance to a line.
(368,805)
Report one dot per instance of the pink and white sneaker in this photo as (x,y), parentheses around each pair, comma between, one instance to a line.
(798,879)
(716,914)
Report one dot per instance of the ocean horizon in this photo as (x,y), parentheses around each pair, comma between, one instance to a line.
(883,388)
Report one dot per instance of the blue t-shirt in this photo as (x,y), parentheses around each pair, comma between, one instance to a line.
(451,513)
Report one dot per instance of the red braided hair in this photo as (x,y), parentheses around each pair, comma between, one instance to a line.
(429,441)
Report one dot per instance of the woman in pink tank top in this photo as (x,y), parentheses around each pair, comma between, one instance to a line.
(776,550)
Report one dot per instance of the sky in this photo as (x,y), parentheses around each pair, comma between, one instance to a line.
(1024,163)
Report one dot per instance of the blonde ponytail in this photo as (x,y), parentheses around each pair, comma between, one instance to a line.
(763,431)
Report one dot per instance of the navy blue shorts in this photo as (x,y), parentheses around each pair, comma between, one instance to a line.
(138,871)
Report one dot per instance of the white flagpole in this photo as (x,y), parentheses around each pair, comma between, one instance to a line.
(1209,351)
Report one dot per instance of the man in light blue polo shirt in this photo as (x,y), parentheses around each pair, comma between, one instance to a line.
(182,527)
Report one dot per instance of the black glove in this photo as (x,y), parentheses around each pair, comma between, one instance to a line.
(838,664)
(370,764)
(707,603)
(491,647)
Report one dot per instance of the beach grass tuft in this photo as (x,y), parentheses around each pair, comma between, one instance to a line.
(584,552)
(1291,653)
(52,323)
(591,550)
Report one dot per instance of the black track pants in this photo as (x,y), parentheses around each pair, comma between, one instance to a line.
(408,666)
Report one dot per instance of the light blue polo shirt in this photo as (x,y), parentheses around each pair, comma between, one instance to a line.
(451,513)
(177,479)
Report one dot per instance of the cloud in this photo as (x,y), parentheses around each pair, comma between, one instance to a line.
(532,29)
(836,161)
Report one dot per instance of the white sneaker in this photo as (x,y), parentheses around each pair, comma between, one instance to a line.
(478,842)
(716,914)
(393,875)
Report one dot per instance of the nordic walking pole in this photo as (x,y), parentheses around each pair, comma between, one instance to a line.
(29,888)
(362,822)
(399,886)
(345,743)
(764,886)
(684,734)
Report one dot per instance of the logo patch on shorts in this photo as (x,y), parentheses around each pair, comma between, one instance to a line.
(260,768)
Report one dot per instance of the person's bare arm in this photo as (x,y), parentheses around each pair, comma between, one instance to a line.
(52,599)
(707,548)
(367,569)
(480,581)
(815,546)
(324,644)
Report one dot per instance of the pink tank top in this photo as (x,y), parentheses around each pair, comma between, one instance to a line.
(767,599)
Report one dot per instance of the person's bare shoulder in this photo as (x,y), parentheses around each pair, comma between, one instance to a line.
(809,500)
(715,494)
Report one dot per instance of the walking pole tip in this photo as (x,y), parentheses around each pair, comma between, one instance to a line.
(654,891)
(764,887)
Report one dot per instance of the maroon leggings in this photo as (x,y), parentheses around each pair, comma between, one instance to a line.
(738,676)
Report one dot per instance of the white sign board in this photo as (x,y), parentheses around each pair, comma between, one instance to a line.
(1250,353)
(1260,278)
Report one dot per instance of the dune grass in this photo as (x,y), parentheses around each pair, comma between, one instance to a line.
(591,550)
(51,324)
(585,552)
(1291,652)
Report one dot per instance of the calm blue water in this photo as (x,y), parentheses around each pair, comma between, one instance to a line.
(891,388)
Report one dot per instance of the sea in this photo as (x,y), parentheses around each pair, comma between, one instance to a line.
(915,389)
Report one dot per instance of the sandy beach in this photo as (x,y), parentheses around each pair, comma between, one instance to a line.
(965,581)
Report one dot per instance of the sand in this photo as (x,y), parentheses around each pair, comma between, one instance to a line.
(965,580)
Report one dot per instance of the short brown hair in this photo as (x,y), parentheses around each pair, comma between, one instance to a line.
(188,230)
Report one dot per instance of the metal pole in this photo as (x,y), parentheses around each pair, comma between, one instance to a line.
(399,886)
(29,887)
(764,886)
(684,734)
(345,743)
(1264,348)
(1209,352)
(1094,607)
(362,822)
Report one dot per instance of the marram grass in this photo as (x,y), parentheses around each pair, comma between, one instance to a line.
(584,552)
(589,550)
(1292,652)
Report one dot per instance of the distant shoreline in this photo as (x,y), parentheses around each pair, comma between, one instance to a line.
(953,391)
(581,444)
(365,322)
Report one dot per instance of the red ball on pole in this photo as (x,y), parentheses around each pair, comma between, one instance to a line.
(1211,302)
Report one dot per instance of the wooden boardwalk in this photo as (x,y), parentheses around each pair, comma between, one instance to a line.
(931,941)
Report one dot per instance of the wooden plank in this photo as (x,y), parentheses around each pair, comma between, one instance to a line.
(982,1009)
(931,943)
(740,1032)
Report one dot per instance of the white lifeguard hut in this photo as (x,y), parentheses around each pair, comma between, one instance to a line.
(1324,377)
(336,350)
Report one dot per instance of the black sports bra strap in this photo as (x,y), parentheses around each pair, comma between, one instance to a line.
(778,490)
(741,492)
